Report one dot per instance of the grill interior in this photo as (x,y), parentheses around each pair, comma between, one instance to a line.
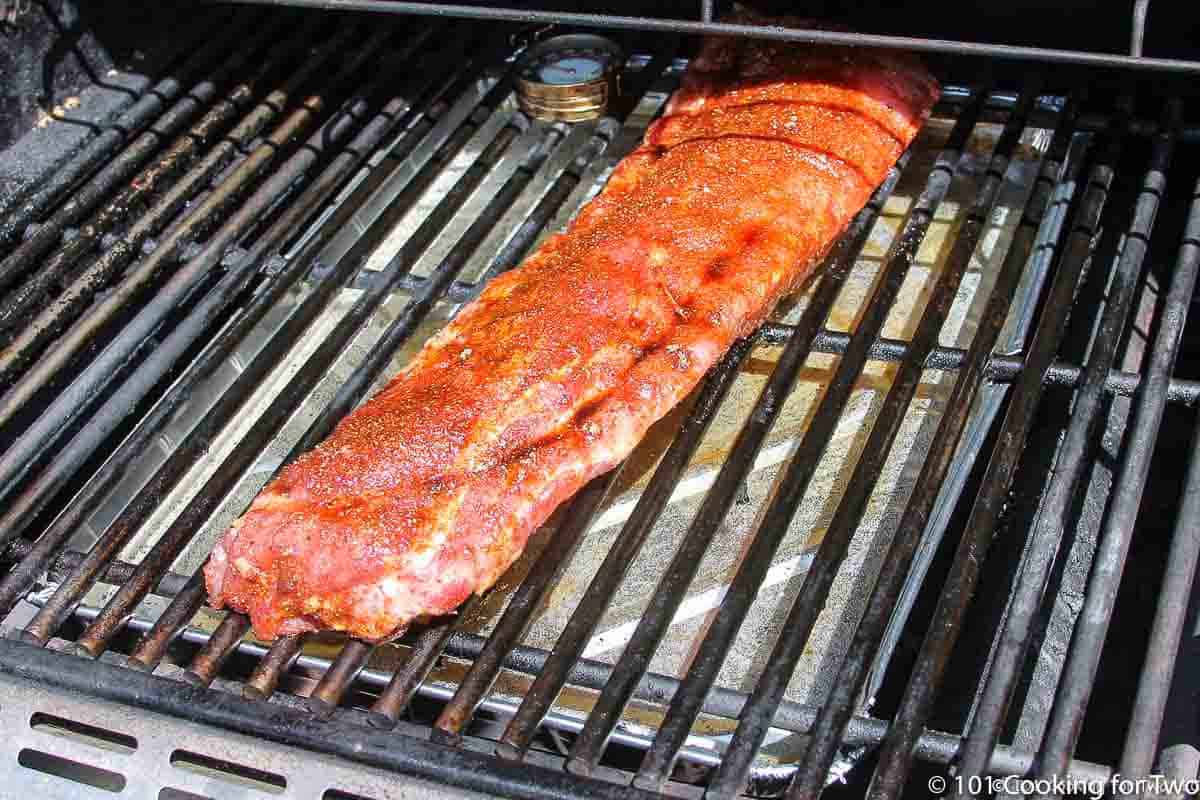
(884,540)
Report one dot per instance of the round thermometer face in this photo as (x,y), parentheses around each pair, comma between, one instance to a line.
(565,67)
(569,78)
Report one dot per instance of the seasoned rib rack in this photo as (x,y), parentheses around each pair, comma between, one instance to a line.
(427,494)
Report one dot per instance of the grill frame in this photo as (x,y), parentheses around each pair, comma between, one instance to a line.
(706,26)
(265,720)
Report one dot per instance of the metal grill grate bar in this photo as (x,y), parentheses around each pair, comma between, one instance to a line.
(409,676)
(1087,639)
(1141,740)
(518,615)
(222,644)
(30,207)
(589,747)
(934,746)
(402,328)
(267,672)
(153,644)
(134,388)
(895,759)
(752,727)
(196,443)
(397,114)
(336,680)
(28,376)
(95,639)
(115,173)
(835,715)
(570,644)
(1080,438)
(71,403)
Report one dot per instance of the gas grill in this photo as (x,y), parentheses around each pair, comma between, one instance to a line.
(933,526)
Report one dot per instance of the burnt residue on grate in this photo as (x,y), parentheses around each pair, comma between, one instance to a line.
(772,589)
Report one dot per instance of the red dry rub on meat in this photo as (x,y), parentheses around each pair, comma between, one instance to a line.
(430,491)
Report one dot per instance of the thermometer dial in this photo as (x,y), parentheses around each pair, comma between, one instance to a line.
(569,78)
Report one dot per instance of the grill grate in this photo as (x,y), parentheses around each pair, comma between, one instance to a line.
(313,206)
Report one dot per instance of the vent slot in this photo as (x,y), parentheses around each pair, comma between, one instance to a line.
(71,770)
(170,793)
(82,732)
(237,774)
(338,794)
